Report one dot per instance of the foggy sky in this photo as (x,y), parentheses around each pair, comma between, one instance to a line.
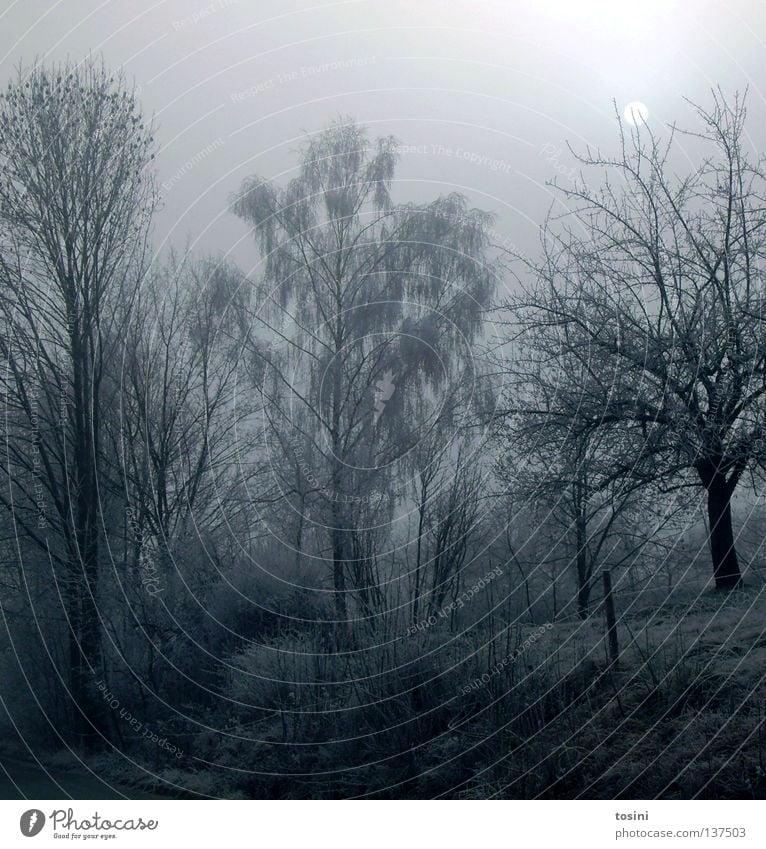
(484,95)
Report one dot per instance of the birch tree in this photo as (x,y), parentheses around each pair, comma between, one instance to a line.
(374,305)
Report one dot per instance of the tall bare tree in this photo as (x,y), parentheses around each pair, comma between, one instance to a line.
(652,283)
(183,430)
(76,199)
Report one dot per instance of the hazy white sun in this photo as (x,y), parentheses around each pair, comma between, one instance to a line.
(636,113)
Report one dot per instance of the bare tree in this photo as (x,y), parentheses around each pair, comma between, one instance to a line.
(449,471)
(76,198)
(453,521)
(581,485)
(184,436)
(652,283)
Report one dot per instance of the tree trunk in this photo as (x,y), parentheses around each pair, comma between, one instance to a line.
(85,651)
(724,555)
(583,596)
(339,528)
(85,636)
(419,553)
(339,581)
(85,639)
(583,572)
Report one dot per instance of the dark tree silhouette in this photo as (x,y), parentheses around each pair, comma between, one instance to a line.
(76,198)
(652,284)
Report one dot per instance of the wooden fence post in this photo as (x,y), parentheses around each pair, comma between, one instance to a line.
(611,619)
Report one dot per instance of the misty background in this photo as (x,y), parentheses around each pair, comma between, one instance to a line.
(338,516)
(235,86)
